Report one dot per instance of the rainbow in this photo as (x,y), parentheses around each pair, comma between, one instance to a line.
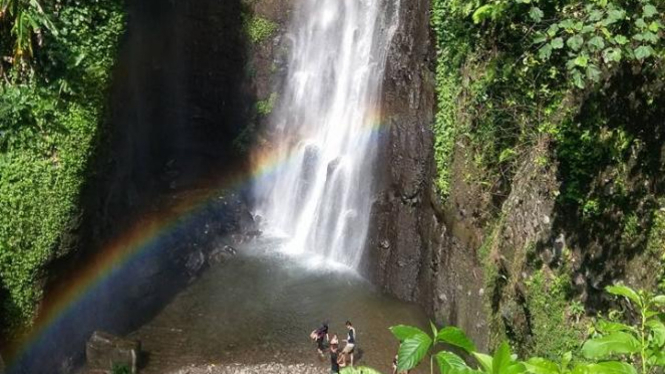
(140,241)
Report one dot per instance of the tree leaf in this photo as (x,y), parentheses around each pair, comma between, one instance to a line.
(610,367)
(539,365)
(545,52)
(482,13)
(597,43)
(515,368)
(627,292)
(643,52)
(565,360)
(536,14)
(575,42)
(435,331)
(593,73)
(649,10)
(621,39)
(412,351)
(403,332)
(658,329)
(659,300)
(582,61)
(501,359)
(567,24)
(612,55)
(455,336)
(451,363)
(606,326)
(485,361)
(578,79)
(606,346)
(557,43)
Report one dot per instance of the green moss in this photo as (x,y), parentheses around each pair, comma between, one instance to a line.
(49,123)
(656,241)
(258,29)
(266,106)
(554,319)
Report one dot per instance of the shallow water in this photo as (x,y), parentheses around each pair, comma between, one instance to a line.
(260,307)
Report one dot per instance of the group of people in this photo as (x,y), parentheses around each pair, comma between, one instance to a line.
(337,359)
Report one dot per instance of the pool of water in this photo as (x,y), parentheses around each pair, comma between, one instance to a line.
(261,305)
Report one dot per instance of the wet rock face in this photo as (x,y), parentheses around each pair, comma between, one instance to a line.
(399,239)
(104,350)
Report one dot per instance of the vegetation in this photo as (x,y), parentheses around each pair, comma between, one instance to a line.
(577,79)
(121,369)
(55,69)
(266,106)
(613,347)
(258,29)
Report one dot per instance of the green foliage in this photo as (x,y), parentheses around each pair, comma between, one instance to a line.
(49,118)
(656,241)
(258,29)
(120,369)
(266,106)
(24,22)
(554,325)
(616,349)
(642,343)
(598,36)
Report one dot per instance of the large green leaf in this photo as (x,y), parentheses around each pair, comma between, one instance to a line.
(450,363)
(659,300)
(455,336)
(515,368)
(413,350)
(539,365)
(658,329)
(483,13)
(359,370)
(626,292)
(484,360)
(403,332)
(614,343)
(501,360)
(610,367)
(606,326)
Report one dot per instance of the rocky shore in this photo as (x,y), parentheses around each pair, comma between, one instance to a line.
(269,368)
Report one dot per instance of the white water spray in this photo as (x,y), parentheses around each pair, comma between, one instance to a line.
(325,127)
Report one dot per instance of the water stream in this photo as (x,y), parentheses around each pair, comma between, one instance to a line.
(325,127)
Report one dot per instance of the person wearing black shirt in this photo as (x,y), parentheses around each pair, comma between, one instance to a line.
(334,365)
(320,335)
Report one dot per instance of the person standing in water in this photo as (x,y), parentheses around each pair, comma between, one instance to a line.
(320,335)
(334,359)
(350,342)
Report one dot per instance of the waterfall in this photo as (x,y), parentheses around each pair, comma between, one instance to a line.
(325,127)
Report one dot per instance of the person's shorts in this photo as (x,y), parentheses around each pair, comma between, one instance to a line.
(348,348)
(319,343)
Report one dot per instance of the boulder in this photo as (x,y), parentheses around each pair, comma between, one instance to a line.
(104,350)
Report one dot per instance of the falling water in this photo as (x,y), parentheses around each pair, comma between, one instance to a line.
(325,127)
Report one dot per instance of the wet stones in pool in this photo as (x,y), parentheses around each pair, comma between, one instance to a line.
(104,350)
(270,368)
(221,254)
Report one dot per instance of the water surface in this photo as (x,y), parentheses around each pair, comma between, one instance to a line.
(260,306)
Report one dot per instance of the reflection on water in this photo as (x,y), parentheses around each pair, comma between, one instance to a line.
(260,307)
